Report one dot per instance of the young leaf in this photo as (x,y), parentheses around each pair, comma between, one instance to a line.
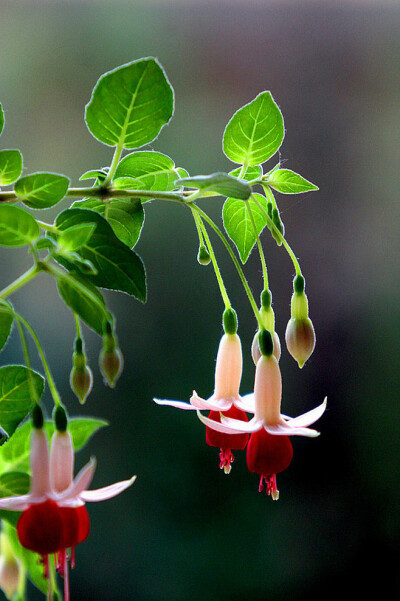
(125,215)
(152,170)
(91,312)
(6,323)
(10,166)
(14,455)
(16,385)
(1,118)
(130,105)
(252,172)
(255,132)
(17,226)
(75,237)
(286,181)
(98,174)
(239,226)
(41,190)
(221,183)
(118,267)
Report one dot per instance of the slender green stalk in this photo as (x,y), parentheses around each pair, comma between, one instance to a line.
(259,246)
(32,389)
(114,163)
(235,262)
(272,225)
(21,281)
(78,326)
(199,232)
(220,281)
(49,377)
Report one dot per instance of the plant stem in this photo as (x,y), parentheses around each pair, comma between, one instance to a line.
(210,249)
(114,164)
(235,262)
(49,377)
(272,225)
(259,246)
(21,281)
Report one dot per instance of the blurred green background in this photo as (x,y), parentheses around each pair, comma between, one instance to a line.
(185,531)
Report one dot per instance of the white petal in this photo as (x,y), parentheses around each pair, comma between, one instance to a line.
(212,404)
(19,503)
(241,426)
(107,492)
(310,417)
(80,483)
(178,404)
(287,430)
(245,403)
(227,429)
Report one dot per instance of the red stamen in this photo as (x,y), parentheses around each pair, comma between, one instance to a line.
(226,458)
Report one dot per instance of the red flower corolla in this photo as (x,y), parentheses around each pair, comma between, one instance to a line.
(54,517)
(268,455)
(225,400)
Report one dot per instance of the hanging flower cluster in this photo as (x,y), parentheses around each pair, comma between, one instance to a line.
(269,450)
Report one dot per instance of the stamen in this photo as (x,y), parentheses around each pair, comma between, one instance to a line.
(45,560)
(226,459)
(72,557)
(66,579)
(270,486)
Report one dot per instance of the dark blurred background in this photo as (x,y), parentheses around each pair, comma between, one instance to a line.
(185,531)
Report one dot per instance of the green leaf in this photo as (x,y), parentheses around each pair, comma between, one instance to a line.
(255,132)
(125,215)
(1,118)
(16,385)
(252,172)
(83,303)
(130,105)
(14,483)
(6,323)
(17,226)
(10,166)
(75,237)
(221,183)
(118,267)
(289,182)
(41,190)
(98,174)
(14,455)
(238,224)
(152,170)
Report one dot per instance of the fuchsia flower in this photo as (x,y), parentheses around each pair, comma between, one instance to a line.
(269,451)
(54,517)
(225,400)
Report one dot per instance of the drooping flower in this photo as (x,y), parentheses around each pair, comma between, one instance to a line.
(54,517)
(225,400)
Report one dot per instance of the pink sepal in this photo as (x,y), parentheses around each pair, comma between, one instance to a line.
(107,492)
(239,426)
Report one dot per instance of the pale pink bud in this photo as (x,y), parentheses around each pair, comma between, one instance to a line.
(300,339)
(255,348)
(229,365)
(9,574)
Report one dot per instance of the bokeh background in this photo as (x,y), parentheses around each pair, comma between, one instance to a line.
(185,531)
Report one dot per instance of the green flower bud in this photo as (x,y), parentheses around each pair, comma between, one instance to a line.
(81,382)
(81,377)
(300,339)
(111,364)
(230,321)
(255,347)
(203,256)
(9,575)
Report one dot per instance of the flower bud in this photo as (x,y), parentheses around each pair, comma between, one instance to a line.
(255,348)
(111,364)
(81,377)
(300,339)
(9,575)
(9,566)
(203,256)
